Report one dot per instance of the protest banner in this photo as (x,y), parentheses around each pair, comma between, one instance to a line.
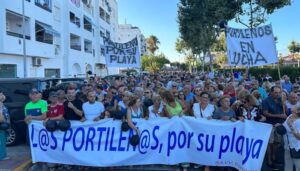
(162,141)
(122,54)
(251,47)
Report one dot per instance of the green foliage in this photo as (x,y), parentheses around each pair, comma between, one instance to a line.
(198,21)
(221,59)
(152,44)
(294,47)
(292,72)
(153,63)
(220,44)
(255,11)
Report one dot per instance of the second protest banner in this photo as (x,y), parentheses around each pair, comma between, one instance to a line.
(122,54)
(251,47)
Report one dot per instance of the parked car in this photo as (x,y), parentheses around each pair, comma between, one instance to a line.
(110,79)
(16,91)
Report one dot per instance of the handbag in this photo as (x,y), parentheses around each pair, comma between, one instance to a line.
(295,154)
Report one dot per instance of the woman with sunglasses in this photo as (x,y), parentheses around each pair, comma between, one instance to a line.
(249,110)
(156,110)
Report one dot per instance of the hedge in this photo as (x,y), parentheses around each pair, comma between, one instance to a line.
(292,72)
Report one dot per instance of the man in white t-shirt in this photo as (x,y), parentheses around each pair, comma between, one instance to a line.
(92,109)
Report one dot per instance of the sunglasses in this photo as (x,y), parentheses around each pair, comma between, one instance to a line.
(113,92)
(146,92)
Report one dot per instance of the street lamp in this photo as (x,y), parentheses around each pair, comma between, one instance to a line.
(24,40)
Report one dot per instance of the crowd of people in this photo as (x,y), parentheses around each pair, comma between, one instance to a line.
(223,96)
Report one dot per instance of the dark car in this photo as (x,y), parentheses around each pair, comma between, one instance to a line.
(16,91)
(110,79)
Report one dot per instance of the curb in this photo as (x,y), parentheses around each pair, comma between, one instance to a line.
(24,166)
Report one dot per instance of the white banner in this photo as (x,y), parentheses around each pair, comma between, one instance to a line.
(162,141)
(122,54)
(248,48)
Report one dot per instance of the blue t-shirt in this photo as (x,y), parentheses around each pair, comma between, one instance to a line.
(273,107)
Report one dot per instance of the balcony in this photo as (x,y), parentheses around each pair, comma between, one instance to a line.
(102,13)
(44,33)
(74,19)
(45,4)
(14,25)
(87,24)
(87,6)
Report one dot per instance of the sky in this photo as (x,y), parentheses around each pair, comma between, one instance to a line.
(159,18)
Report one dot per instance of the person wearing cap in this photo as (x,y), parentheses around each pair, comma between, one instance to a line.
(55,110)
(36,109)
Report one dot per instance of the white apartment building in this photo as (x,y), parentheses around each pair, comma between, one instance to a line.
(63,38)
(128,32)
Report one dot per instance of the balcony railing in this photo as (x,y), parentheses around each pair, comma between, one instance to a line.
(76,47)
(17,35)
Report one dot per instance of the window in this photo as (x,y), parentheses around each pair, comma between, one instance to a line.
(102,34)
(45,4)
(44,33)
(52,73)
(74,19)
(107,18)
(88,46)
(8,70)
(87,24)
(76,3)
(14,25)
(75,42)
(108,34)
(102,13)
(87,6)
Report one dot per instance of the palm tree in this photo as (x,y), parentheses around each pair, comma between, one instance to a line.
(294,47)
(152,44)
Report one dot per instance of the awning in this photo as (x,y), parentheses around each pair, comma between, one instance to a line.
(48,29)
(89,20)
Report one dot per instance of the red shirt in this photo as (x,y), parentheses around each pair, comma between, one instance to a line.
(54,111)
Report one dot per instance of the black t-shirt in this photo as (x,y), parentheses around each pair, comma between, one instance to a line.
(69,113)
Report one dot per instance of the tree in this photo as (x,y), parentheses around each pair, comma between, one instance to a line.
(153,63)
(198,22)
(198,18)
(221,59)
(294,47)
(255,11)
(182,48)
(152,44)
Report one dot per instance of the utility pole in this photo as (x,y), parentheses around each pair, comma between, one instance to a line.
(24,40)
